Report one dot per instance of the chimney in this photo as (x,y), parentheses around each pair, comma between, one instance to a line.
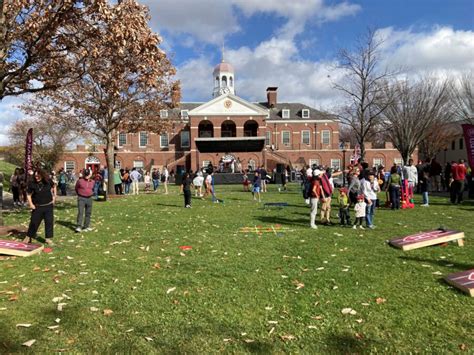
(272,96)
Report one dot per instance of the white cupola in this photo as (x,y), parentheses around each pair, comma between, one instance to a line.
(223,75)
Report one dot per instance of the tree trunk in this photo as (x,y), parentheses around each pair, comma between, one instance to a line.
(110,164)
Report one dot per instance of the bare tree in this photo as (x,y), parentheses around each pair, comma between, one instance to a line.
(363,84)
(462,94)
(414,110)
(438,137)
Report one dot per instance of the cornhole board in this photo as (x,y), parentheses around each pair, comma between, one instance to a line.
(463,281)
(10,247)
(428,238)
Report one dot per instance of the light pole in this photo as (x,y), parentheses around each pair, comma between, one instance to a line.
(342,146)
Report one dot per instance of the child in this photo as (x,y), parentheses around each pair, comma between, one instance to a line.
(343,200)
(359,209)
(246,182)
(147,180)
(186,189)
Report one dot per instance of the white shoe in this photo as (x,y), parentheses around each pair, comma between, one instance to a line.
(425,205)
(361,227)
(78,230)
(354,227)
(314,227)
(88,229)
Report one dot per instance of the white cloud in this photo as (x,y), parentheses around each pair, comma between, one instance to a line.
(441,49)
(9,113)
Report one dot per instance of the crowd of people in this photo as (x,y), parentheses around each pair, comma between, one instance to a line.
(37,189)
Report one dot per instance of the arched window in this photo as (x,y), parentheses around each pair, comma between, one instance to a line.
(231,81)
(228,129)
(205,129)
(224,81)
(250,129)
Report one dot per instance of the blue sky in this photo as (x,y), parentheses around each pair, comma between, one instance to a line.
(293,44)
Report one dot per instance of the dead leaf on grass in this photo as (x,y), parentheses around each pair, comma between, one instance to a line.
(23,325)
(107,312)
(380,300)
(29,343)
(170,290)
(348,311)
(287,337)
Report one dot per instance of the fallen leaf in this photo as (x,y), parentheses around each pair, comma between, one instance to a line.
(13,298)
(287,337)
(157,266)
(359,321)
(52,327)
(93,309)
(107,312)
(380,300)
(312,327)
(23,325)
(271,330)
(129,330)
(462,347)
(29,343)
(60,306)
(148,338)
(348,311)
(57,320)
(170,290)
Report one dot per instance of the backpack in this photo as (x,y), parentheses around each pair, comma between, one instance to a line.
(327,188)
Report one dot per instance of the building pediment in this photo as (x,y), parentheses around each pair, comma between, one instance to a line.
(228,105)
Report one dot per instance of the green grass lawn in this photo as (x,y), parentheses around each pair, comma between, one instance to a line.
(237,292)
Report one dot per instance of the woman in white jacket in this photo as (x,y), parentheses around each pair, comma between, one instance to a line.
(370,188)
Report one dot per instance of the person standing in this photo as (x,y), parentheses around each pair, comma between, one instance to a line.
(435,175)
(126,181)
(97,184)
(263,178)
(84,190)
(326,204)
(424,183)
(15,187)
(135,176)
(165,178)
(370,188)
(117,181)
(316,194)
(257,181)
(147,180)
(344,203)
(62,182)
(393,187)
(360,211)
(186,189)
(458,173)
(197,182)
(41,197)
(410,173)
(105,177)
(354,186)
(155,176)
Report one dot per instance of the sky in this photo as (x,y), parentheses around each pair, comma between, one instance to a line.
(294,44)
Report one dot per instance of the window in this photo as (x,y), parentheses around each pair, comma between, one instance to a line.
(313,162)
(285,113)
(164,140)
(285,137)
(184,139)
(138,164)
(268,138)
(69,165)
(326,137)
(143,139)
(306,137)
(184,114)
(378,162)
(461,143)
(122,139)
(164,113)
(305,113)
(453,145)
(336,164)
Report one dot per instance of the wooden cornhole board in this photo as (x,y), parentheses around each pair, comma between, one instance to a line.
(10,247)
(463,281)
(428,238)
(12,230)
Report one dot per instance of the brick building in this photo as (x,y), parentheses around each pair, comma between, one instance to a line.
(269,133)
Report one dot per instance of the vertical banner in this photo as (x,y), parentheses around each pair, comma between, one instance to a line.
(29,151)
(468,130)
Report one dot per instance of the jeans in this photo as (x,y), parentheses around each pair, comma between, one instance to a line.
(344,216)
(156,183)
(37,215)
(394,191)
(127,187)
(63,188)
(314,211)
(369,213)
(96,189)
(426,199)
(84,204)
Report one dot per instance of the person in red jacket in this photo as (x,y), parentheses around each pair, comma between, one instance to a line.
(458,175)
(84,191)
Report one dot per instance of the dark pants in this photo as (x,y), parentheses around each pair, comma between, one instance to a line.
(84,204)
(39,214)
(394,196)
(118,189)
(358,221)
(16,193)
(457,189)
(344,216)
(63,188)
(187,198)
